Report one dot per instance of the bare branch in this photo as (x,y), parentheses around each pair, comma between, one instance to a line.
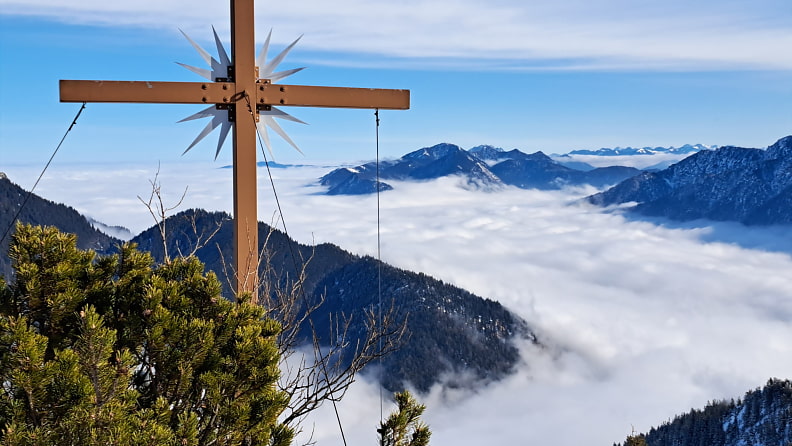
(315,367)
(159,211)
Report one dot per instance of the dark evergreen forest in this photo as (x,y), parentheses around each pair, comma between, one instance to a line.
(40,211)
(763,417)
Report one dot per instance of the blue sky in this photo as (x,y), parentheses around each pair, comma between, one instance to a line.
(541,75)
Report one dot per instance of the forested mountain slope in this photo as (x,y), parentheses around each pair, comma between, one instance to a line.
(450,331)
(752,186)
(763,417)
(40,211)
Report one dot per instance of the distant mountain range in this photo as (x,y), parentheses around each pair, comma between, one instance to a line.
(620,151)
(644,158)
(451,332)
(751,186)
(482,167)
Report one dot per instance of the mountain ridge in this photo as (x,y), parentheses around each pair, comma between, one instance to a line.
(482,168)
(748,185)
(446,336)
(40,211)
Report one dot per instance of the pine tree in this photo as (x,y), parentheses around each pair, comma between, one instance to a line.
(115,350)
(404,426)
(635,440)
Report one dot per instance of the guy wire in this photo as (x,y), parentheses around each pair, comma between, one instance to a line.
(379,261)
(30,192)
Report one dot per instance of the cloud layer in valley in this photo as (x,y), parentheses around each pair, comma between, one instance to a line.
(642,320)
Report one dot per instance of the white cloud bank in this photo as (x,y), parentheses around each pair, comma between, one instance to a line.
(504,34)
(645,320)
(652,320)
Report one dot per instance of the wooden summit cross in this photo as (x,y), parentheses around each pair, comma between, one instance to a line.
(236,93)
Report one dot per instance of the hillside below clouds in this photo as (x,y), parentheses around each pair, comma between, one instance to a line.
(482,167)
(452,332)
(751,186)
(40,211)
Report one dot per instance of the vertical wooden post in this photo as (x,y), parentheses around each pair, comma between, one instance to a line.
(246,254)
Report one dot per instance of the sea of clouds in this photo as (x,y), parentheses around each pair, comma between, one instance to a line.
(643,318)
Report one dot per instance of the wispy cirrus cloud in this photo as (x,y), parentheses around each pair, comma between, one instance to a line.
(506,34)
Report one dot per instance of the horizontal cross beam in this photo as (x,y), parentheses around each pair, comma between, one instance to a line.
(333,97)
(224,92)
(149,92)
